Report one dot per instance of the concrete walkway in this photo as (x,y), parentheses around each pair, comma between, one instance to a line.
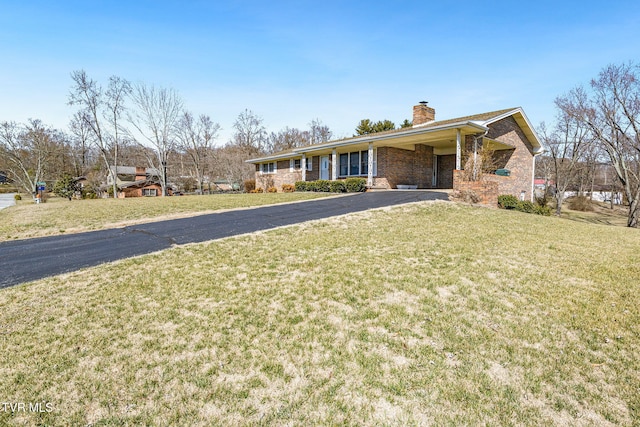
(7,200)
(32,259)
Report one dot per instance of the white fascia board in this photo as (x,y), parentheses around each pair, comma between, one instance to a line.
(370,138)
(410,132)
(289,155)
(519,110)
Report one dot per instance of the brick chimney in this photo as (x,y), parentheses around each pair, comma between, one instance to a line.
(422,114)
(141,173)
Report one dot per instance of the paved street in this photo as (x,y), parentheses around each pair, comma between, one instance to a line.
(32,259)
(7,200)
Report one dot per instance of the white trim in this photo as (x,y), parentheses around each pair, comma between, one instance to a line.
(533,175)
(458,150)
(267,172)
(370,138)
(334,166)
(370,165)
(303,167)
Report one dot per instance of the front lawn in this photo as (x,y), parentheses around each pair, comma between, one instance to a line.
(425,314)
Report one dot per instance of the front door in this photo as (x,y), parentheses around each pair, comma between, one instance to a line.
(324,167)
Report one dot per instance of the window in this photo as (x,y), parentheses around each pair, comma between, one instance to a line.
(295,164)
(268,167)
(356,163)
(309,163)
(149,192)
(344,164)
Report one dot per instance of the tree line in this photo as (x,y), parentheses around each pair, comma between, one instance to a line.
(598,123)
(136,124)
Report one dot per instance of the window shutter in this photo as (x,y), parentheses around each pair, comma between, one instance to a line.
(291,165)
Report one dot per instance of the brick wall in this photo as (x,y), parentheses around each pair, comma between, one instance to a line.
(518,160)
(282,175)
(446,165)
(486,190)
(400,166)
(314,173)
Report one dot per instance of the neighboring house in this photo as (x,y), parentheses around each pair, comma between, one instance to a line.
(427,155)
(136,181)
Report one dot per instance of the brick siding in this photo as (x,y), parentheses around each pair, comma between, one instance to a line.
(410,167)
(518,160)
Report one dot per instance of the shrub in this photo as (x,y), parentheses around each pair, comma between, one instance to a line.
(355,185)
(272,190)
(17,197)
(301,185)
(65,187)
(257,190)
(467,196)
(311,186)
(580,203)
(543,210)
(526,206)
(323,186)
(249,185)
(337,187)
(507,201)
(288,188)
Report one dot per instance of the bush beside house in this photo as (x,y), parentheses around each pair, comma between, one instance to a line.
(349,185)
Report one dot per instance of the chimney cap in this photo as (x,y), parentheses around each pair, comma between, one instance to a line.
(423,102)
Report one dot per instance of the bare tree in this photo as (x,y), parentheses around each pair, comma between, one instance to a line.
(287,139)
(229,163)
(197,137)
(81,141)
(26,150)
(319,132)
(250,133)
(155,117)
(96,106)
(567,143)
(117,92)
(611,111)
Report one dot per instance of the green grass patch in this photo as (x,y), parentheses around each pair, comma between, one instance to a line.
(59,215)
(426,314)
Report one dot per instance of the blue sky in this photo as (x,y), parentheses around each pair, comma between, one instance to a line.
(294,61)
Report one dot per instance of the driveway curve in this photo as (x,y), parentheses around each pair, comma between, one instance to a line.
(31,259)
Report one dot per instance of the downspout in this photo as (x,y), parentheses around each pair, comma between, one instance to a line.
(533,173)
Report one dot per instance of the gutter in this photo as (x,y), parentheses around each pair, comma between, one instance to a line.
(370,138)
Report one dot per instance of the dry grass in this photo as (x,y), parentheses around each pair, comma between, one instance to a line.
(58,216)
(601,213)
(429,314)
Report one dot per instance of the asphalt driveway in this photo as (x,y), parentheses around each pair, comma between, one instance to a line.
(7,200)
(32,259)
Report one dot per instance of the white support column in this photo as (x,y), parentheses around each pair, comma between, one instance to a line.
(458,150)
(533,177)
(303,166)
(370,165)
(334,165)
